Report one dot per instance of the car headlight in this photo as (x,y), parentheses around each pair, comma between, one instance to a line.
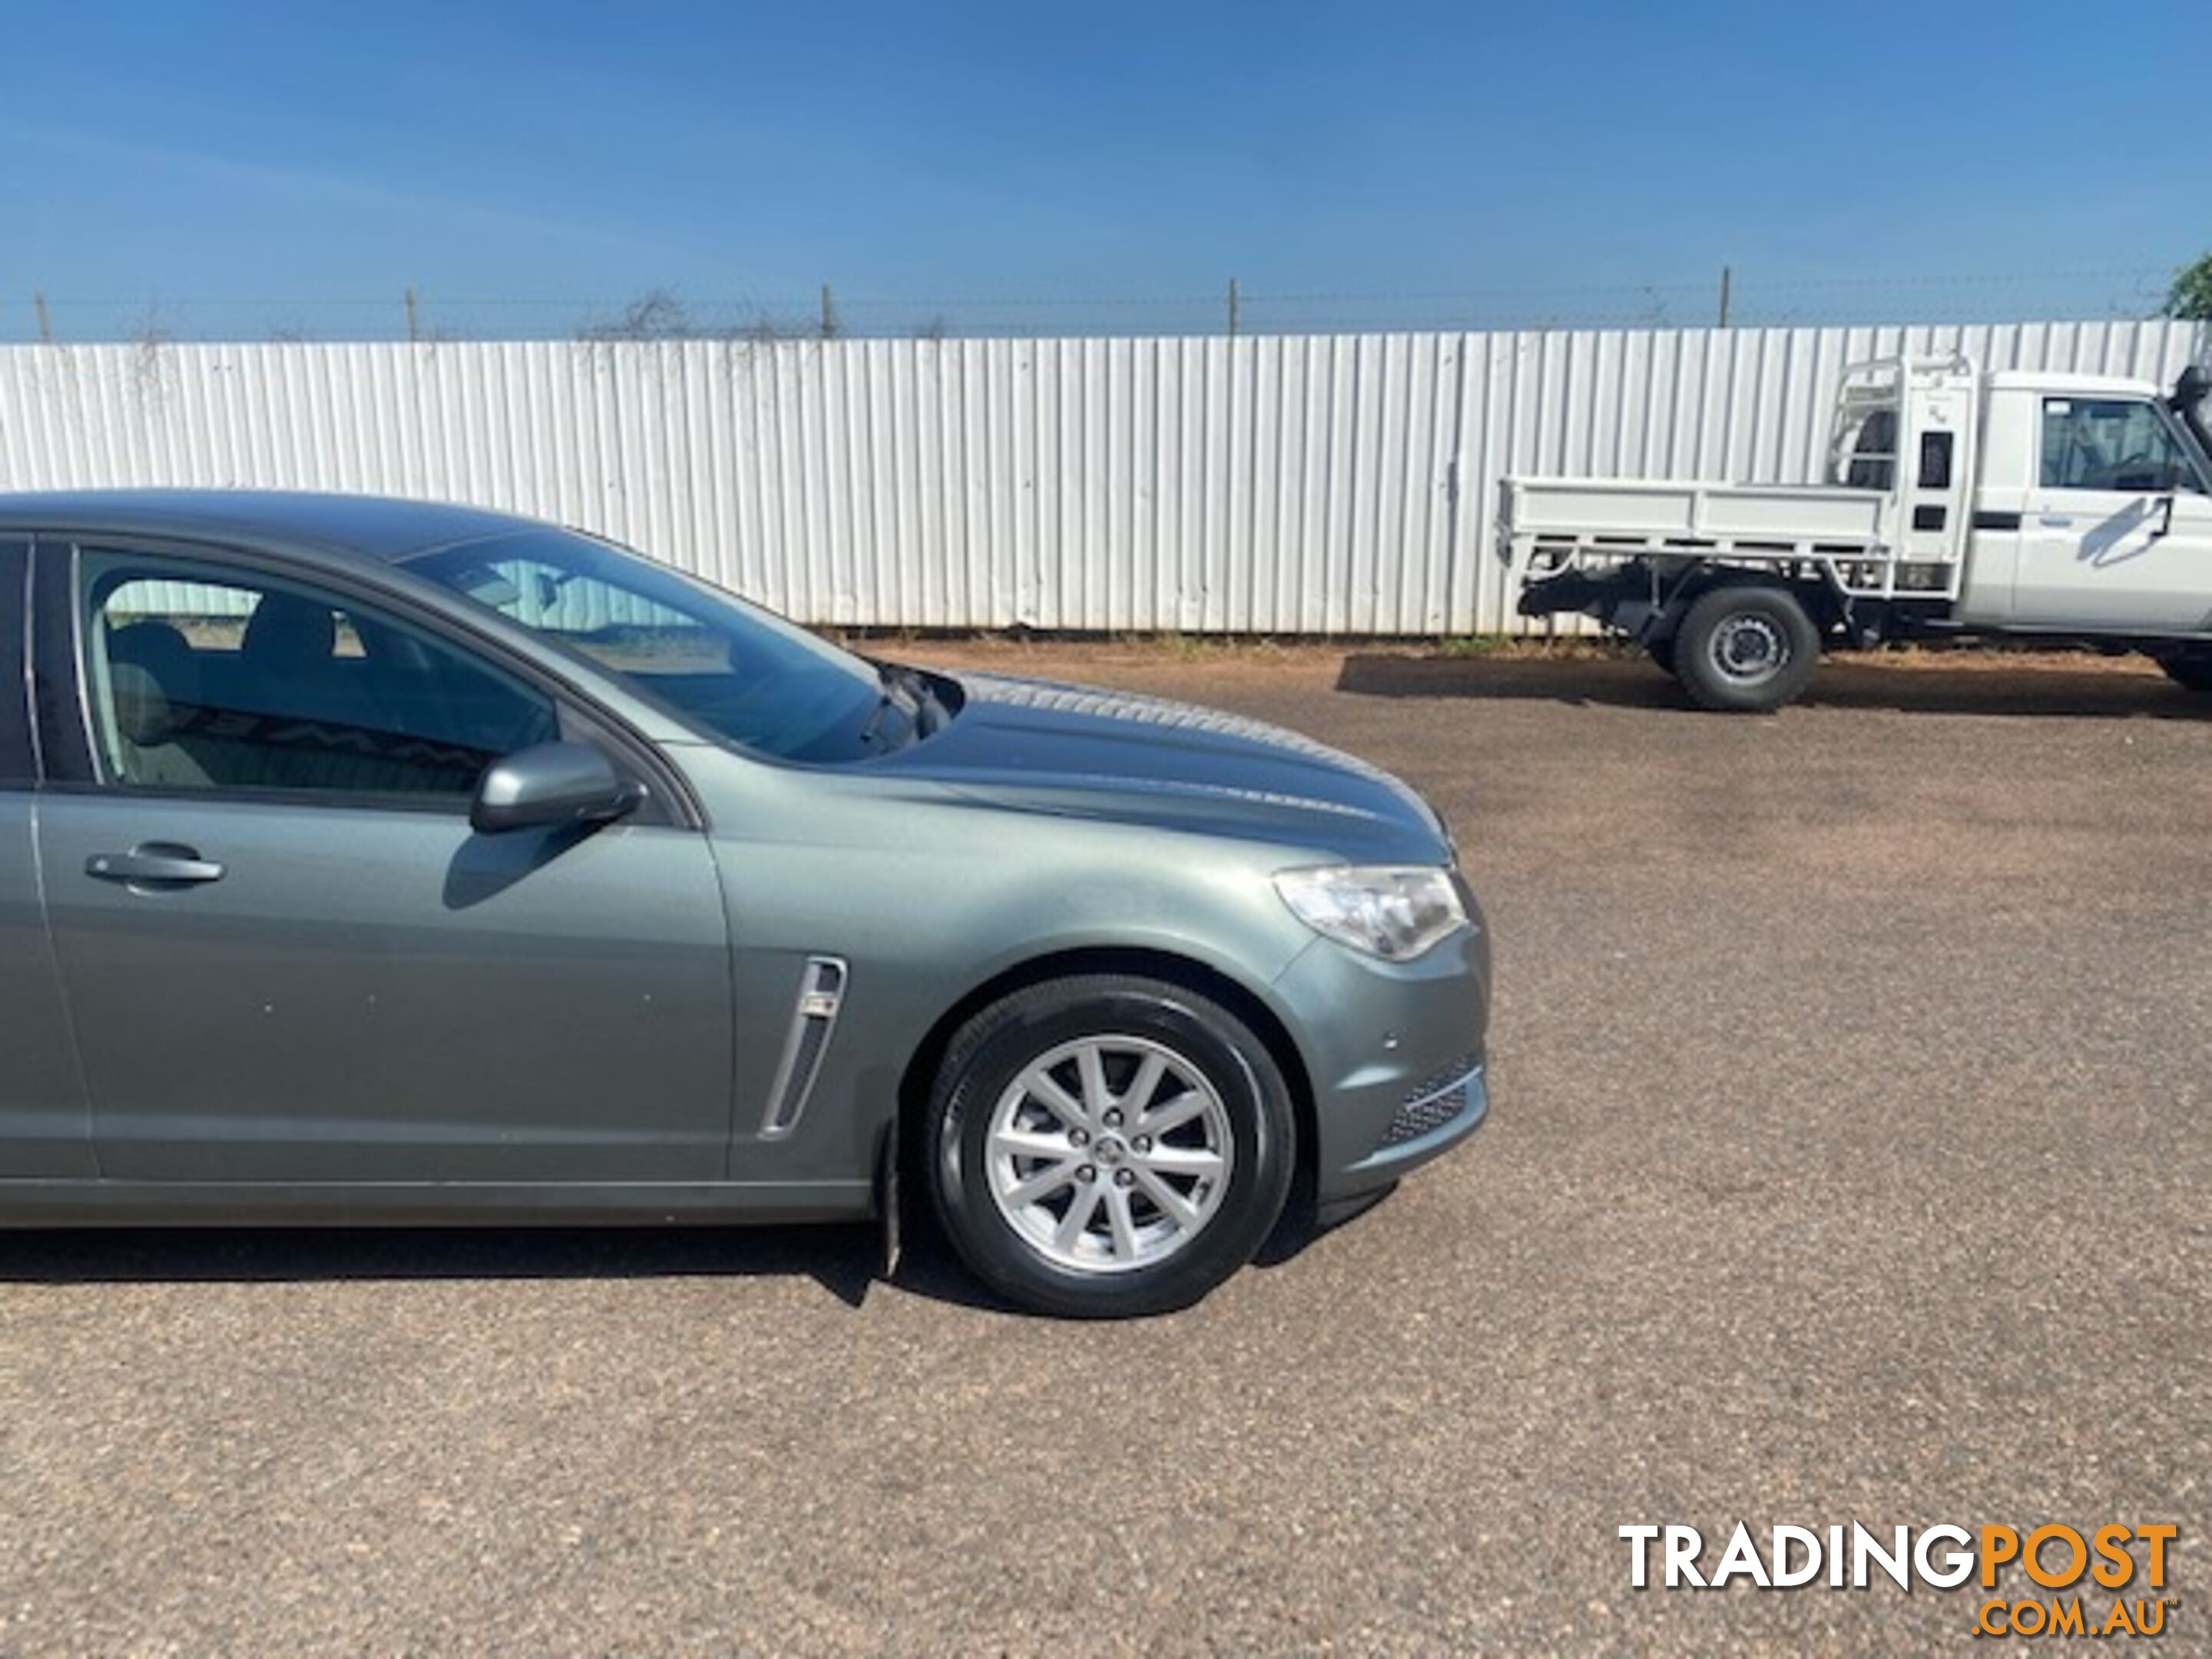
(1392,911)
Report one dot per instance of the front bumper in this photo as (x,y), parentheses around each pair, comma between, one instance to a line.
(1435,1118)
(1394,1052)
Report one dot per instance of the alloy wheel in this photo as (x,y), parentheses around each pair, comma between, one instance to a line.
(1108,1153)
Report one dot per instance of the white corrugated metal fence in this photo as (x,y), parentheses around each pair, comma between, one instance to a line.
(1309,484)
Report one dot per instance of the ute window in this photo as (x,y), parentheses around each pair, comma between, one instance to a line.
(201,678)
(2121,444)
(1873,463)
(1935,460)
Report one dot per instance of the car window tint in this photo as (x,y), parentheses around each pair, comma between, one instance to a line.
(16,754)
(2111,443)
(199,677)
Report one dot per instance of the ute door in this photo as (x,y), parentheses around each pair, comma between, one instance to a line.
(288,957)
(2118,534)
(44,1129)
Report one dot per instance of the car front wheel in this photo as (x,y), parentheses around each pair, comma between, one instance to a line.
(1108,1145)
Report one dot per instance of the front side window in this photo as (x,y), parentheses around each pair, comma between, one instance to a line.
(200,677)
(2121,444)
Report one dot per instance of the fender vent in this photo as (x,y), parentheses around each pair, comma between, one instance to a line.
(821,993)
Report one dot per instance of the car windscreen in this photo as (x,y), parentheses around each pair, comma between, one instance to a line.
(765,684)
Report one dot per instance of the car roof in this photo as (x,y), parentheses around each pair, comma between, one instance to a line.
(380,528)
(2036,380)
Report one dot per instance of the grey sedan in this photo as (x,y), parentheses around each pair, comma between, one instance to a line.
(371,861)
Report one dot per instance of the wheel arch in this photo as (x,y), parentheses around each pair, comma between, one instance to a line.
(1815,597)
(1152,963)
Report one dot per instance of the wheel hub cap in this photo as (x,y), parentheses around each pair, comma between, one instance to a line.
(1108,1153)
(1749,649)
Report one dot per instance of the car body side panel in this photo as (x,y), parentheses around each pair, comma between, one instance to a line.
(45,1126)
(76,1203)
(383,995)
(2127,561)
(928,896)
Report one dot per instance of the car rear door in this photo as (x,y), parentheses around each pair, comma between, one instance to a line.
(288,957)
(44,1129)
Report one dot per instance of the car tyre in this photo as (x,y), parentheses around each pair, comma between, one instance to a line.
(1745,649)
(1043,1105)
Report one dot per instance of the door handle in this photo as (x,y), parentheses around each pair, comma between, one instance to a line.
(154,864)
(2165,518)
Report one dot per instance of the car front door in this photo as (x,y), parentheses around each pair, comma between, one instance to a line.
(44,1129)
(2118,534)
(288,957)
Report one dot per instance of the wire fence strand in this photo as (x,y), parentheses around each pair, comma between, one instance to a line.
(1744,299)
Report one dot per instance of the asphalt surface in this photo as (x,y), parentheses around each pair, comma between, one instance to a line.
(1848,1162)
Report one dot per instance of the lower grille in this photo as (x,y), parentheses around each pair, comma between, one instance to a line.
(1433,1102)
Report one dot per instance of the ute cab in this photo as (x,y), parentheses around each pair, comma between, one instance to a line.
(2094,512)
(2071,506)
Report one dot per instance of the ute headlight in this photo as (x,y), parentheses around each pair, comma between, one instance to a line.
(1392,911)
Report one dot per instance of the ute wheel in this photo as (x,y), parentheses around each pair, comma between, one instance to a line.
(1108,1145)
(1663,653)
(2190,669)
(1744,649)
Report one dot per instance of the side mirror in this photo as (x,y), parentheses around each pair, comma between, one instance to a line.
(551,784)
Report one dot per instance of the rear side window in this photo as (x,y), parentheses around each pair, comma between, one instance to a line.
(16,754)
(2121,444)
(1874,453)
(203,678)
(1935,460)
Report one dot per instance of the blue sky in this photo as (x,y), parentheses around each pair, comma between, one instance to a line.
(242,169)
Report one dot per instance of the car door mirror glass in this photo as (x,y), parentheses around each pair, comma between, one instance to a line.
(550,784)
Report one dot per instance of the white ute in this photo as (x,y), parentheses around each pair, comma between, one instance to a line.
(2067,506)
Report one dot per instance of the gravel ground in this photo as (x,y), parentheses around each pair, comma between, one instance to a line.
(1849,1069)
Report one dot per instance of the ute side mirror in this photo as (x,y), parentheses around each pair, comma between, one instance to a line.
(551,784)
